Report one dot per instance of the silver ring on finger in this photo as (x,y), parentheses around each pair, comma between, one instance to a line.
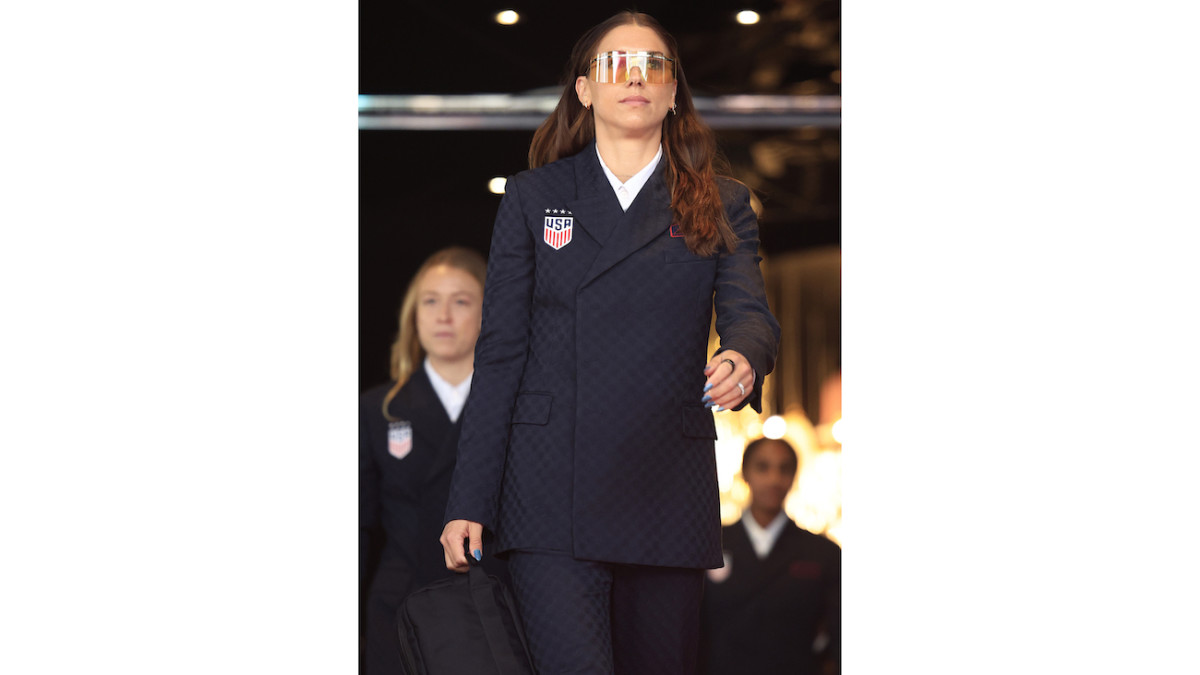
(741,388)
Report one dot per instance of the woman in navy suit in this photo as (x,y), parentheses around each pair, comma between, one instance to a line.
(587,449)
(408,434)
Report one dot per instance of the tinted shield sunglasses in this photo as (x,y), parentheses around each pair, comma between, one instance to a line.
(615,67)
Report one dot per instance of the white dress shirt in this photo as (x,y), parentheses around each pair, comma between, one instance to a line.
(627,191)
(452,396)
(763,538)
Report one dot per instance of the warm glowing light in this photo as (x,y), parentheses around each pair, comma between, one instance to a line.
(740,492)
(816,502)
(774,427)
(729,513)
(507,17)
(496,185)
(729,458)
(747,17)
(835,431)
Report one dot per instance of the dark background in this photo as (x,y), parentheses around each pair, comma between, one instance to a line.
(422,190)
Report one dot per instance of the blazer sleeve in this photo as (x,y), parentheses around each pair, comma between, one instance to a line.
(500,354)
(744,320)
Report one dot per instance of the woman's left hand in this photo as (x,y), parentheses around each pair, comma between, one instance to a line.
(724,372)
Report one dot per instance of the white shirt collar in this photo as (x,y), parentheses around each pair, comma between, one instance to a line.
(763,538)
(452,396)
(627,191)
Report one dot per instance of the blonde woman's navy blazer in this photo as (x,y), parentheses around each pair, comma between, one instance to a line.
(584,432)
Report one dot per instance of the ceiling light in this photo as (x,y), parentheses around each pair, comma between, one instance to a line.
(747,17)
(496,185)
(507,17)
(774,427)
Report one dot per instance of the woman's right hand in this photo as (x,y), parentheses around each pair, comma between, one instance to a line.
(452,543)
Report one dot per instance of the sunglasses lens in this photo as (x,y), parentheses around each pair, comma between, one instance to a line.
(601,68)
(616,67)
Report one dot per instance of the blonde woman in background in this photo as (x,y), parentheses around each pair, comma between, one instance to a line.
(408,434)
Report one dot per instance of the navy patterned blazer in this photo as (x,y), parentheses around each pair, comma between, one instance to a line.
(584,432)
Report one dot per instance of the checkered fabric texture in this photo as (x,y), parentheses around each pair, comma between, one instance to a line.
(583,617)
(584,432)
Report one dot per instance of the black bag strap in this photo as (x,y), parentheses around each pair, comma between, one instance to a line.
(492,616)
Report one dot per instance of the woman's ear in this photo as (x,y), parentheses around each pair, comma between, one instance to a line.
(581,90)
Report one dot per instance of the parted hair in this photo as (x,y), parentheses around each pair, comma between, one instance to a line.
(689,145)
(406,349)
(757,443)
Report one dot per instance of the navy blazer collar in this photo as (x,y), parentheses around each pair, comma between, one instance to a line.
(597,211)
(419,403)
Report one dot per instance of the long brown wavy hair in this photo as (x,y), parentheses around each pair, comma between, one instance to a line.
(690,148)
(406,350)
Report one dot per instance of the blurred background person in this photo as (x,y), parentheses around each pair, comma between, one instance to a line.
(408,436)
(775,607)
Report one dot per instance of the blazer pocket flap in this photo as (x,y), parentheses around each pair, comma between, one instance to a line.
(698,423)
(532,408)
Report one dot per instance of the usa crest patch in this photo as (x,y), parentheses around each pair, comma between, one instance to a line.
(558,226)
(399,439)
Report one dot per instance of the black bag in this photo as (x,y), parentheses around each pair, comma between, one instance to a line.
(465,625)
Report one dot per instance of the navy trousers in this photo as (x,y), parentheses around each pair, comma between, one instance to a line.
(583,617)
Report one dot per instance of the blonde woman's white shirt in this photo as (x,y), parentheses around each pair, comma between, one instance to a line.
(452,396)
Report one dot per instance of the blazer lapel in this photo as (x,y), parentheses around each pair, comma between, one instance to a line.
(619,233)
(419,403)
(595,208)
(440,432)
(761,574)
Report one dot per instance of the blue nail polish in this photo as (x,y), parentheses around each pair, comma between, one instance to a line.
(478,554)
(706,399)
(710,405)
(708,386)
(719,409)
